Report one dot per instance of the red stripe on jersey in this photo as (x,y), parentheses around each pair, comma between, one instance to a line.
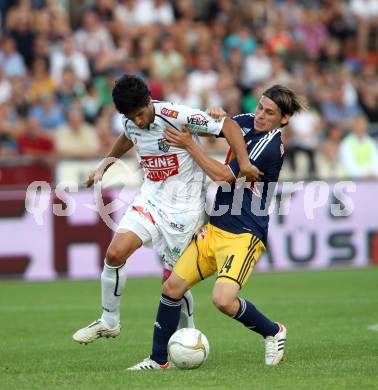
(230,156)
(144,212)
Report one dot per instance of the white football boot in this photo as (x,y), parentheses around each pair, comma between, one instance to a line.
(94,331)
(275,346)
(148,364)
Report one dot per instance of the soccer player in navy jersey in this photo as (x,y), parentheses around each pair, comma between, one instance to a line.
(232,242)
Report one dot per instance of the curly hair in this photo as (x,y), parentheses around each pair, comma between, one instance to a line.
(130,93)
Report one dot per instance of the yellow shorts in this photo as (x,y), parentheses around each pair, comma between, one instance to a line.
(232,256)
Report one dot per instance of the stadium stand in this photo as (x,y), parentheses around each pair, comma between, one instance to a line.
(59,59)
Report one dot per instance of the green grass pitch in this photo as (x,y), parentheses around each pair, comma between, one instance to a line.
(327,314)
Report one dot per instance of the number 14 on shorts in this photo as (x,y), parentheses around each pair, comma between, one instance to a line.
(227,264)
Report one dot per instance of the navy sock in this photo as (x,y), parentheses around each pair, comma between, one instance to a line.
(250,317)
(167,319)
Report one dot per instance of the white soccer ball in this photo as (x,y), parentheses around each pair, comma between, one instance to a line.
(188,348)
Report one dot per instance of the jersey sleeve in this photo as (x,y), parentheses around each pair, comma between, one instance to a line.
(245,122)
(197,121)
(234,166)
(125,130)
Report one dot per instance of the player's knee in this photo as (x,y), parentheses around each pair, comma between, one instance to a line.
(224,304)
(173,289)
(115,257)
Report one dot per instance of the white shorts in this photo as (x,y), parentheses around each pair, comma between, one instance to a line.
(168,233)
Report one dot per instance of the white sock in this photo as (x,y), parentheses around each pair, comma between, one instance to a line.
(186,314)
(113,280)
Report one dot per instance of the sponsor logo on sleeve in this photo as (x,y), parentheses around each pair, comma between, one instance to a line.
(198,122)
(160,168)
(170,113)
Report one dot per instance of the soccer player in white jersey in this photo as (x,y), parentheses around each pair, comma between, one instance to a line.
(170,206)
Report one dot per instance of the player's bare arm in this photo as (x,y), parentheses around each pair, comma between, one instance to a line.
(120,147)
(234,137)
(213,168)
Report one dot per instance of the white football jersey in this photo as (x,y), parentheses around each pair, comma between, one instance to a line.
(172,179)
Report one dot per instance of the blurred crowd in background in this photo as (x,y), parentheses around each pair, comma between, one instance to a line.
(60,58)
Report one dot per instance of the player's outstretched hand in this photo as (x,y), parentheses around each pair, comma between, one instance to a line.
(251,173)
(216,112)
(179,139)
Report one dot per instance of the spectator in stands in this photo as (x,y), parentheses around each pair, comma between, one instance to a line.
(257,68)
(56,17)
(203,79)
(166,60)
(115,59)
(368,93)
(90,103)
(11,61)
(368,100)
(310,33)
(66,55)
(19,99)
(305,129)
(48,112)
(92,38)
(241,39)
(279,40)
(69,89)
(336,110)
(180,93)
(145,49)
(329,166)
(225,94)
(133,14)
(77,139)
(20,27)
(10,130)
(366,14)
(41,82)
(105,135)
(359,152)
(162,11)
(35,144)
(5,87)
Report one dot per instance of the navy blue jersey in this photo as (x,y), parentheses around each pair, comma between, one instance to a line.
(265,151)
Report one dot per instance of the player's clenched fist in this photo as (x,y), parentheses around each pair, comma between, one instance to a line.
(251,173)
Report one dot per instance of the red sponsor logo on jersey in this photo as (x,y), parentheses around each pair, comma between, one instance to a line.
(159,168)
(169,113)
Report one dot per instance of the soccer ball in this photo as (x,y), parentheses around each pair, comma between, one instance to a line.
(188,348)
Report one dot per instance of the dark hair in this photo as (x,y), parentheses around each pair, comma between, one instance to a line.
(286,99)
(130,93)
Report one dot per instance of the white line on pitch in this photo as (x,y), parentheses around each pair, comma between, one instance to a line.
(374,327)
